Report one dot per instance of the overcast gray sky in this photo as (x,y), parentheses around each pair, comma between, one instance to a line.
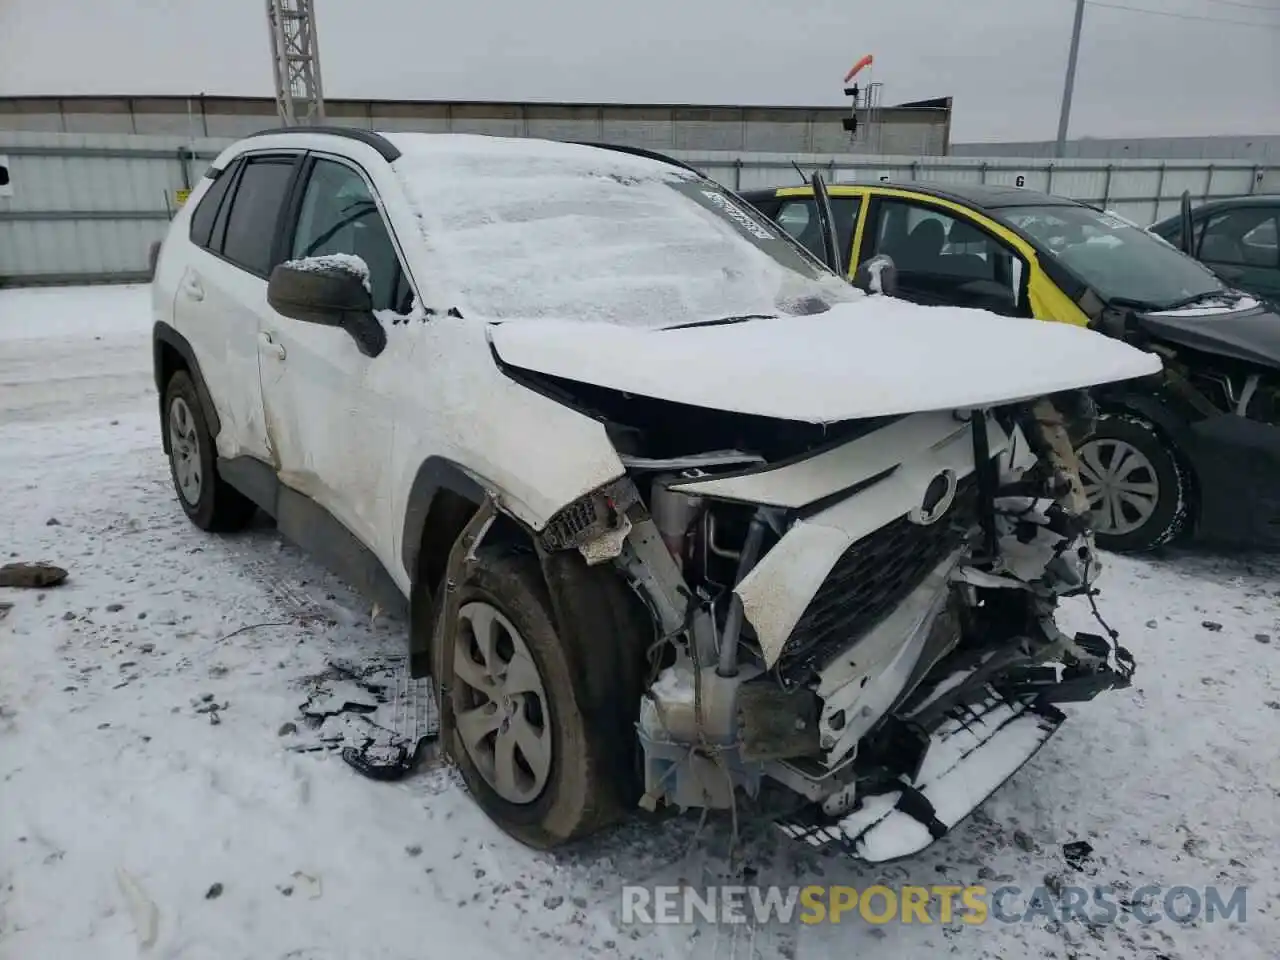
(1002,60)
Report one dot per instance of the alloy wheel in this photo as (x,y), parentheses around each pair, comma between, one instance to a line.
(1120,483)
(501,713)
(184,442)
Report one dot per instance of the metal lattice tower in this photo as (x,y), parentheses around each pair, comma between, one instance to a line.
(295,61)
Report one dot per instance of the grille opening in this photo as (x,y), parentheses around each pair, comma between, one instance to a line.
(870,579)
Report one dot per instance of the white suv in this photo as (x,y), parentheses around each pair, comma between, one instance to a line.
(674,510)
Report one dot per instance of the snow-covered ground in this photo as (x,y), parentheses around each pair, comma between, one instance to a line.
(153,802)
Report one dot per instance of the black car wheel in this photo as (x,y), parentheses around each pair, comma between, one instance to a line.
(543,724)
(209,501)
(1137,487)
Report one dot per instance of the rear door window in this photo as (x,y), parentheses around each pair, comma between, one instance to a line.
(255,212)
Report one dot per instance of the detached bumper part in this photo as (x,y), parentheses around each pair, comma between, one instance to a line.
(1107,668)
(968,757)
(987,729)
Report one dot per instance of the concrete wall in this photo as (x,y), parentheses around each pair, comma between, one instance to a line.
(1263,149)
(83,207)
(922,130)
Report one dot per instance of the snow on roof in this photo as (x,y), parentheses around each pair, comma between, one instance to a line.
(451,147)
(528,229)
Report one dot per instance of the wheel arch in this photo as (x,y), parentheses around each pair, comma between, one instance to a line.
(442,500)
(171,352)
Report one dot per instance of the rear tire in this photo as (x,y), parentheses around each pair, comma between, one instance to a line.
(209,501)
(1139,492)
(537,690)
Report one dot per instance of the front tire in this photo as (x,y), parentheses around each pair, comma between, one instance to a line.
(535,750)
(1137,488)
(209,501)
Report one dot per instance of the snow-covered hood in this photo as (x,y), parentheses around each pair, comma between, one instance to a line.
(874,357)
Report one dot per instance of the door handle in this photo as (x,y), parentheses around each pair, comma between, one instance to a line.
(269,346)
(192,288)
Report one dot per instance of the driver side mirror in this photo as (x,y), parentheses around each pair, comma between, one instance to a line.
(877,275)
(331,292)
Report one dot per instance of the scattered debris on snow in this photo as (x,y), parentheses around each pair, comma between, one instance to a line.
(31,575)
(1077,853)
(93,777)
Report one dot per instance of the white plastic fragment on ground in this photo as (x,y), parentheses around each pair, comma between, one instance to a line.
(145,914)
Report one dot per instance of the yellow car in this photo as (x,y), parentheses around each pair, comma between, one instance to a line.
(1194,452)
(952,244)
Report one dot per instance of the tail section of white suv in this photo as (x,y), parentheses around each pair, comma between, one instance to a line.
(673,509)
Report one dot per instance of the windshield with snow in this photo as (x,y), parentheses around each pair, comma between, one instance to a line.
(1122,263)
(554,231)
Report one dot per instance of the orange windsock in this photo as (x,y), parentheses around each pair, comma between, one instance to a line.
(864,62)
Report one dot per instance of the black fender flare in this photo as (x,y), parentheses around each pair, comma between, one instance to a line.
(434,474)
(163,335)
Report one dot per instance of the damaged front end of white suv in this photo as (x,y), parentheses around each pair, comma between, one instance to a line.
(861,612)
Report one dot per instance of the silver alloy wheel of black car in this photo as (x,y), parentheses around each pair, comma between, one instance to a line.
(184,441)
(1121,485)
(503,719)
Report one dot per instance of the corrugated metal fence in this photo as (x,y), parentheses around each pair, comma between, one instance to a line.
(85,208)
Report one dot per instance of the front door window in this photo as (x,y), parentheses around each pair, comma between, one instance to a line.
(942,258)
(339,215)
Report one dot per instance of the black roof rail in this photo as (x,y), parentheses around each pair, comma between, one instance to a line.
(386,149)
(642,152)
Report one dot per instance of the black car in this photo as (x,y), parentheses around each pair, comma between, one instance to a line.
(1239,239)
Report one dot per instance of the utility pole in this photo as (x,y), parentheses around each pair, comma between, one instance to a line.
(295,62)
(1064,118)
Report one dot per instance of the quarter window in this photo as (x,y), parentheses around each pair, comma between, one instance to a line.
(340,215)
(206,211)
(255,211)
(798,216)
